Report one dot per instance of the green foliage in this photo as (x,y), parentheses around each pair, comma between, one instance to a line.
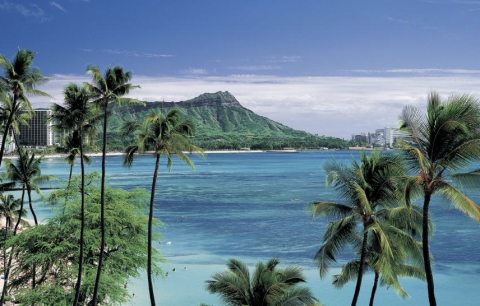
(268,286)
(54,247)
(165,135)
(2,235)
(221,123)
(377,200)
(440,147)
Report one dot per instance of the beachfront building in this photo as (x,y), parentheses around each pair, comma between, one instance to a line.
(360,137)
(39,132)
(381,137)
(10,144)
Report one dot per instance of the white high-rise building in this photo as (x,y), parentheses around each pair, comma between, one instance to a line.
(388,136)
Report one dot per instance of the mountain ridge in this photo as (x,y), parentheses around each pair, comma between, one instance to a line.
(215,114)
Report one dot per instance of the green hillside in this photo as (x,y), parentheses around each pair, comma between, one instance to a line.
(214,115)
(223,123)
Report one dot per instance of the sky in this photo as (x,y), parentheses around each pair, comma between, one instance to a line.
(327,67)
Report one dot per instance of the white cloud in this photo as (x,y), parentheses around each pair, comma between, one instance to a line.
(58,6)
(31,11)
(194,71)
(136,53)
(256,68)
(283,59)
(338,106)
(431,71)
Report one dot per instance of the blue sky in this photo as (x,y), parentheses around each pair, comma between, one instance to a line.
(328,67)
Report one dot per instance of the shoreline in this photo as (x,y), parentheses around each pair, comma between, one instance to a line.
(209,152)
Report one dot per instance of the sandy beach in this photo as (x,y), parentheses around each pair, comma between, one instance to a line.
(146,153)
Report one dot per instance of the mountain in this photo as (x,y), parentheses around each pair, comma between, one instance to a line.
(214,114)
(221,122)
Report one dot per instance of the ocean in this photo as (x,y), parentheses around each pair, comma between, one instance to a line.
(251,206)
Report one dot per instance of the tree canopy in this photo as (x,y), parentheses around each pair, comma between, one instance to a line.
(54,247)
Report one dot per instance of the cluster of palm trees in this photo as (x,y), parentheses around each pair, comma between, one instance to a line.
(85,107)
(379,218)
(387,232)
(18,83)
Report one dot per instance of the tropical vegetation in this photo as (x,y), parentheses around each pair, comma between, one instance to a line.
(269,285)
(164,135)
(372,194)
(106,90)
(440,147)
(98,238)
(54,246)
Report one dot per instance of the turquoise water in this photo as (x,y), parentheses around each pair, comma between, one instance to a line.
(251,206)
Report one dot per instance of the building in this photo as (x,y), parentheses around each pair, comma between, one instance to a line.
(360,138)
(389,136)
(39,133)
(10,144)
(381,137)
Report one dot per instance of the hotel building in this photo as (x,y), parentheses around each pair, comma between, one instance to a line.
(39,132)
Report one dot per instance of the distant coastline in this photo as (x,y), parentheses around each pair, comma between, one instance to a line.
(96,154)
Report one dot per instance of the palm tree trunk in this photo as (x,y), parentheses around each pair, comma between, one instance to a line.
(10,257)
(360,269)
(150,219)
(29,193)
(82,226)
(374,289)
(102,207)
(21,209)
(426,252)
(68,186)
(5,134)
(5,244)
(20,157)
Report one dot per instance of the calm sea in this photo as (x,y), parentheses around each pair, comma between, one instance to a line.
(252,206)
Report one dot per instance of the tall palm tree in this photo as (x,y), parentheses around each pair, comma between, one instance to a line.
(18,113)
(71,147)
(26,172)
(11,210)
(366,187)
(269,285)
(77,117)
(9,264)
(439,147)
(406,250)
(106,90)
(164,135)
(20,80)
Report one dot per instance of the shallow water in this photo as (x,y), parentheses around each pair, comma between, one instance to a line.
(251,206)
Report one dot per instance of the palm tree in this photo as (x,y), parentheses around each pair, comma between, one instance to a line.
(7,267)
(11,210)
(106,90)
(164,135)
(77,117)
(405,248)
(18,113)
(26,172)
(19,80)
(269,285)
(439,147)
(71,147)
(366,187)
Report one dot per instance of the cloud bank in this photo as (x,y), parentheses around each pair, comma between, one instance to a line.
(335,106)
